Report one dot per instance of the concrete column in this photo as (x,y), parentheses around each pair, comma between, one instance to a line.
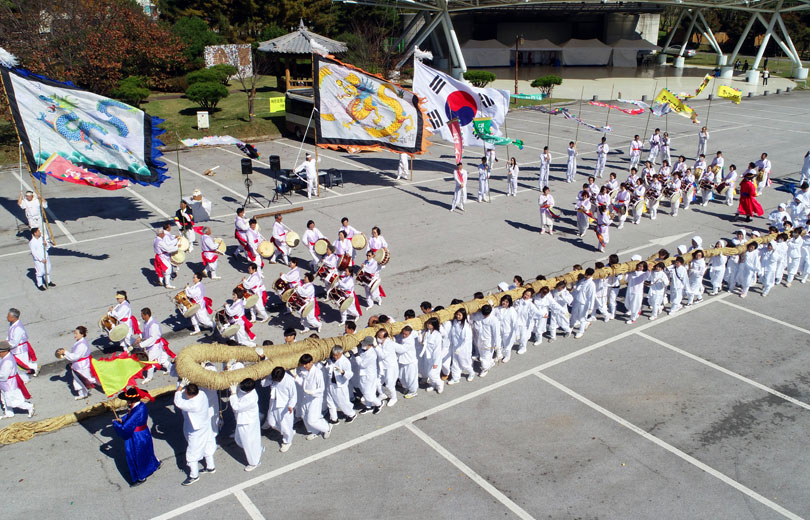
(737,47)
(421,35)
(788,40)
(765,41)
(674,28)
(688,35)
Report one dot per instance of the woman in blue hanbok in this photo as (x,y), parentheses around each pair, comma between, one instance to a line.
(133,428)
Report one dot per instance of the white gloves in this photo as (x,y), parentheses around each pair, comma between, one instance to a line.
(233,389)
(259,351)
(184,382)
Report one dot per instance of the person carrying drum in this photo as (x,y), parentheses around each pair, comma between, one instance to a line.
(241,227)
(311,237)
(165,245)
(184,218)
(123,313)
(280,241)
(254,238)
(196,293)
(255,284)
(377,242)
(346,284)
(156,347)
(311,320)
(210,253)
(236,315)
(343,247)
(370,277)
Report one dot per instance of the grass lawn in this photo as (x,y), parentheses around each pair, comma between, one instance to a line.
(778,65)
(518,103)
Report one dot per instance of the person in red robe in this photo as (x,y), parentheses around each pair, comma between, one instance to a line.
(748,198)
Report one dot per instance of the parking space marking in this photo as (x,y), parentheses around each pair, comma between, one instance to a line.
(248,504)
(209,179)
(672,449)
(475,477)
(147,202)
(59,223)
(725,371)
(766,317)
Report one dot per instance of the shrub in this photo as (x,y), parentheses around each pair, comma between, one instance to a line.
(131,90)
(195,33)
(479,78)
(206,93)
(211,75)
(225,70)
(547,83)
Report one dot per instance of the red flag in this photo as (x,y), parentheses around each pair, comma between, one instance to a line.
(63,170)
(455,130)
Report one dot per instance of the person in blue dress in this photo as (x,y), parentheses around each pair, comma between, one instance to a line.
(133,428)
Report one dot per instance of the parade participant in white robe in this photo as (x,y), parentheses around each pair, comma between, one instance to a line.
(388,365)
(408,361)
(666,147)
(338,374)
(350,231)
(730,177)
(512,173)
(778,217)
(236,314)
(367,371)
(733,261)
(679,278)
(281,409)
(122,311)
(461,348)
(583,207)
(602,150)
(79,357)
(794,255)
(675,186)
(156,347)
(717,269)
(21,348)
(638,193)
(508,319)
(488,336)
(306,291)
(634,176)
(768,261)
(571,165)
(584,298)
(658,288)
(346,283)
(167,246)
(781,247)
(635,151)
(213,395)
(655,145)
(798,210)
(280,241)
(311,170)
(241,226)
(42,260)
(545,165)
(374,295)
(603,222)
(432,347)
(210,255)
(312,387)
(184,218)
(697,268)
(196,428)
(700,163)
(343,246)
(804,265)
(679,166)
(244,402)
(763,164)
(600,296)
(560,317)
(703,139)
(805,169)
(254,283)
(483,180)
(687,181)
(30,204)
(196,293)
(652,204)
(718,162)
(546,203)
(634,295)
(489,153)
(613,283)
(460,193)
(527,316)
(748,268)
(622,199)
(706,179)
(13,393)
(377,242)
(402,168)
(542,302)
(311,236)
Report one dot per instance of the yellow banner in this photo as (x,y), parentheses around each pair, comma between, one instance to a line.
(678,106)
(276,104)
(729,93)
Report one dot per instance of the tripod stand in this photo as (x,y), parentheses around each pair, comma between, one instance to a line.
(249,198)
(278,193)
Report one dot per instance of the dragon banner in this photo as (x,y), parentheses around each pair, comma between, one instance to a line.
(729,93)
(629,111)
(683,95)
(667,98)
(363,111)
(570,115)
(91,131)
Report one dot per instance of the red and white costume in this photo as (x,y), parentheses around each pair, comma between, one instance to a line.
(13,393)
(196,293)
(346,283)
(156,347)
(241,227)
(210,256)
(79,356)
(311,320)
(344,247)
(310,237)
(292,277)
(123,313)
(255,284)
(280,241)
(377,243)
(350,232)
(164,248)
(371,267)
(236,313)
(21,348)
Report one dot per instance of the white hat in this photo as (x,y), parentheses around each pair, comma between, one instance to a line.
(682,249)
(196,192)
(755,233)
(635,258)
(697,240)
(308,155)
(782,205)
(209,366)
(237,366)
(722,242)
(740,231)
(503,286)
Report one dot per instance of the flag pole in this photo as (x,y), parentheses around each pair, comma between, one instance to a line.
(317,177)
(666,116)
(649,114)
(411,168)
(581,94)
(179,176)
(608,114)
(19,147)
(548,135)
(709,108)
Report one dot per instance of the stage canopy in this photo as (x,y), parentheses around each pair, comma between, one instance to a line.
(585,52)
(625,52)
(486,53)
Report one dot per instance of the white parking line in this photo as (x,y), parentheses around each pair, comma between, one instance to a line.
(475,477)
(725,371)
(147,202)
(248,504)
(766,317)
(59,223)
(239,196)
(672,449)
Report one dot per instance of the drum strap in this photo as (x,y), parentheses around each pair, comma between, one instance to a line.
(21,385)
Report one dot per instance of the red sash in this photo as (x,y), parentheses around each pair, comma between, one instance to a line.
(382,293)
(165,344)
(87,382)
(206,260)
(248,327)
(21,364)
(200,230)
(160,267)
(317,311)
(357,304)
(208,305)
(264,298)
(141,428)
(31,354)
(242,241)
(459,178)
(21,386)
(136,329)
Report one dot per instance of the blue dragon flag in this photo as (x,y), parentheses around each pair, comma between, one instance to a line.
(98,133)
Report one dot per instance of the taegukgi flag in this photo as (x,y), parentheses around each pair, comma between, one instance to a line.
(448,98)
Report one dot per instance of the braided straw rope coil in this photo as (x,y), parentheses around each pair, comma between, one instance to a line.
(188,362)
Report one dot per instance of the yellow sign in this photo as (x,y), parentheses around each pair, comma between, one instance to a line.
(730,93)
(276,104)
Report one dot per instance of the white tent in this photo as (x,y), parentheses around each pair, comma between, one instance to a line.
(585,52)
(625,52)
(539,52)
(486,53)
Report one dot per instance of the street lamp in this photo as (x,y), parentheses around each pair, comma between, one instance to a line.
(518,41)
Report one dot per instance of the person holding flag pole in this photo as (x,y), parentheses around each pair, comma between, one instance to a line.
(460,194)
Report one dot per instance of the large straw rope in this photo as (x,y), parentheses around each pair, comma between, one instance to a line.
(188,362)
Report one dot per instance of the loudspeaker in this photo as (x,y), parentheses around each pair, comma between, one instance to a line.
(247,166)
(275,163)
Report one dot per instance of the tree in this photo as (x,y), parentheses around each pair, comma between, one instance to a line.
(216,74)
(207,94)
(226,71)
(131,90)
(479,78)
(547,83)
(249,82)
(196,34)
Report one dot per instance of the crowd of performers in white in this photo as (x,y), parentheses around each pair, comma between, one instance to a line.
(381,367)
